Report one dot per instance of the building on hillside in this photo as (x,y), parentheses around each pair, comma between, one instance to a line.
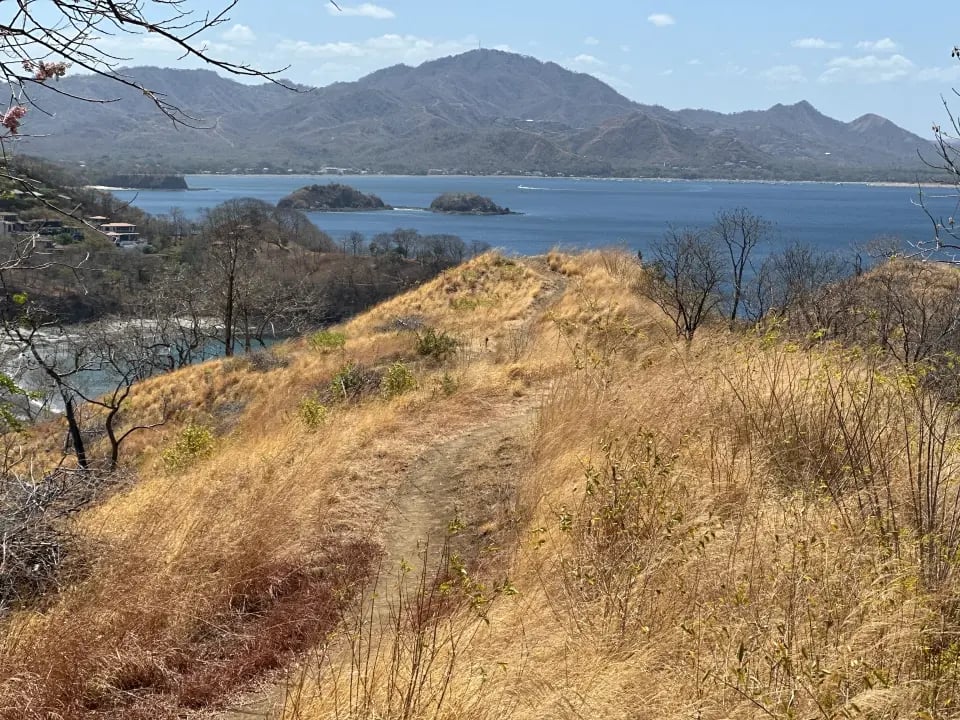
(47,226)
(10,223)
(121,234)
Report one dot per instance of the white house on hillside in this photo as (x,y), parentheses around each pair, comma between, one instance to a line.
(122,234)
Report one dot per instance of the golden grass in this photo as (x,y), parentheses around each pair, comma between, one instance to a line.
(681,550)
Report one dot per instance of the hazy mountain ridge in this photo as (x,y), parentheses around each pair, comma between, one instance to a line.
(484,111)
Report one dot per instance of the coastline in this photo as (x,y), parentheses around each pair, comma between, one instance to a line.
(582,178)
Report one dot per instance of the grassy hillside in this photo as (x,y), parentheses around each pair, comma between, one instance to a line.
(569,514)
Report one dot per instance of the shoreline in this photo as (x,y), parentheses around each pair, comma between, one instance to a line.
(582,178)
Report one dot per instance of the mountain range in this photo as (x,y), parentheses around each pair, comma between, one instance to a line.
(483,111)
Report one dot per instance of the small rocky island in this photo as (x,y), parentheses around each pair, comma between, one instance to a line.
(462,203)
(333,197)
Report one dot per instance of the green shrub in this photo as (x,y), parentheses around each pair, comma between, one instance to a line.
(327,340)
(195,442)
(447,384)
(436,345)
(397,380)
(312,412)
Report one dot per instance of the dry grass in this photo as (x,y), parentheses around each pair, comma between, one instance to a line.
(738,528)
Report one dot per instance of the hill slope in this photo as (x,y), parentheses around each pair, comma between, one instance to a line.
(616,520)
(483,111)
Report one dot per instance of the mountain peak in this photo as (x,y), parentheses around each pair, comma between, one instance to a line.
(500,86)
(802,107)
(869,121)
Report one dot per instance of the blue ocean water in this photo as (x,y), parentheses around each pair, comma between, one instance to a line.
(583,213)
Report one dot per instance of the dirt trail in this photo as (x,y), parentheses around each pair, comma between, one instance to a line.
(470,479)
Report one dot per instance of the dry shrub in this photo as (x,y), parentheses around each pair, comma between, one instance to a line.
(399,644)
(196,590)
(868,434)
(631,531)
(39,552)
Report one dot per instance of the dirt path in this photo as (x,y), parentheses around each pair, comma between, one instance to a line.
(469,479)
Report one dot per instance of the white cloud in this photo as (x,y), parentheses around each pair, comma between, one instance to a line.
(784,74)
(726,69)
(367,10)
(868,69)
(590,40)
(949,74)
(815,43)
(240,35)
(144,49)
(661,19)
(625,48)
(695,61)
(884,45)
(667,73)
(351,60)
(587,61)
(302,48)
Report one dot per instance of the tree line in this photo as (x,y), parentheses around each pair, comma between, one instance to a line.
(732,269)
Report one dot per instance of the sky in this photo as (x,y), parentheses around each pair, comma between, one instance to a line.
(887,57)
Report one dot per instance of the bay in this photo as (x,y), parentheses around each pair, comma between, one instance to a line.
(572,213)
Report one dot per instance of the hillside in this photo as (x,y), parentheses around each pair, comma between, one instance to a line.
(511,493)
(484,111)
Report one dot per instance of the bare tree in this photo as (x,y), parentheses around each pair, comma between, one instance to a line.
(911,310)
(93,366)
(231,232)
(685,278)
(261,265)
(806,285)
(354,243)
(944,244)
(739,232)
(175,308)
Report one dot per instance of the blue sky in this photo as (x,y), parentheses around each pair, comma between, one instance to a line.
(847,58)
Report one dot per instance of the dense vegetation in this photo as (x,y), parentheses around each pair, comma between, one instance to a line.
(333,196)
(466,203)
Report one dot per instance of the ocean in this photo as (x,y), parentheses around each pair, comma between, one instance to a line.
(584,213)
(572,213)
